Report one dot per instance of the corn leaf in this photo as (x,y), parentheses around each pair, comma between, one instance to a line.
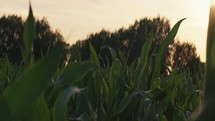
(93,56)
(21,96)
(210,59)
(29,30)
(75,71)
(161,51)
(4,110)
(83,117)
(126,101)
(142,62)
(60,109)
(40,111)
(156,94)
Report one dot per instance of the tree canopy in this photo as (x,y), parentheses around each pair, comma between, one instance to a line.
(125,40)
(11,38)
(131,40)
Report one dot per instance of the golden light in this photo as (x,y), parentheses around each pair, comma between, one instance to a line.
(212,2)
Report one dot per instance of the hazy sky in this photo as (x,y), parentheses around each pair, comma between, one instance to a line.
(78,18)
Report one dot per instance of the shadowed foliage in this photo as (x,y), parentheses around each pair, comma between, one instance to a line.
(11,38)
(91,91)
(129,42)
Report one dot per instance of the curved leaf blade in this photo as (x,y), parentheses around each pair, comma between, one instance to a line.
(158,62)
(40,111)
(75,71)
(29,30)
(22,95)
(93,56)
(123,105)
(60,108)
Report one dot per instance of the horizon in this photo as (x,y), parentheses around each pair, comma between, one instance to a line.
(78,19)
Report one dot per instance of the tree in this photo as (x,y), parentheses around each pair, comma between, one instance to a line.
(185,58)
(98,41)
(136,35)
(179,56)
(11,34)
(11,38)
(129,40)
(182,57)
(46,38)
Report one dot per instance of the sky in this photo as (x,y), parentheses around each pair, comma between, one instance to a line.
(76,19)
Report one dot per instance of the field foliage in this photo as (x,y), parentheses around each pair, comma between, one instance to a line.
(86,91)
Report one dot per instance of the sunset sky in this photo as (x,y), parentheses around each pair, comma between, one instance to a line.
(76,19)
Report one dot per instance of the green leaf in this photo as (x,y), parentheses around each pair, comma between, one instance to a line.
(172,83)
(210,57)
(4,110)
(113,54)
(116,70)
(82,104)
(143,61)
(40,111)
(156,94)
(75,71)
(161,51)
(60,109)
(124,104)
(29,30)
(116,67)
(83,117)
(93,56)
(21,96)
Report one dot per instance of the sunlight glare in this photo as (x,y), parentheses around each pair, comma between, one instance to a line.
(212,2)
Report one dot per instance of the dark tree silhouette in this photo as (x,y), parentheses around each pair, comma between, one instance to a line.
(131,40)
(98,41)
(185,58)
(137,34)
(46,39)
(11,38)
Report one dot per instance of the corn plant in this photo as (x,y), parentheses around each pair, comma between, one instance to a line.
(87,91)
(8,72)
(136,92)
(24,100)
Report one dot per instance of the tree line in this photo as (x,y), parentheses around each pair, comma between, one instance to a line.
(127,42)
(11,39)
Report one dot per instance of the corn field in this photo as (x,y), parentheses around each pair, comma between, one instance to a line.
(86,91)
